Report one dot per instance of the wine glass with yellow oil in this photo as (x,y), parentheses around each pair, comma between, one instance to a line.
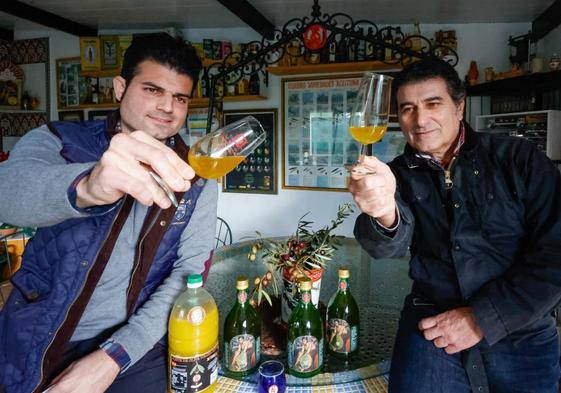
(218,153)
(370,112)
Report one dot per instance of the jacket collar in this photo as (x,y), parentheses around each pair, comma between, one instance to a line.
(471,140)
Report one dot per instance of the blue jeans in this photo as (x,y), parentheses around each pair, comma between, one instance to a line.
(148,375)
(530,365)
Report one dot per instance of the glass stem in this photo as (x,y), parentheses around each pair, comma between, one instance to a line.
(363,150)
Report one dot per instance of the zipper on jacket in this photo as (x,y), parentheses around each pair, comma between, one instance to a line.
(448,183)
(79,292)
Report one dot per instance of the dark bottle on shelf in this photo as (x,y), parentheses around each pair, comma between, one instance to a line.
(342,320)
(254,83)
(242,334)
(388,39)
(369,52)
(305,335)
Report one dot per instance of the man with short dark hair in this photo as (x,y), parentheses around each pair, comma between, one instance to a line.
(482,217)
(90,304)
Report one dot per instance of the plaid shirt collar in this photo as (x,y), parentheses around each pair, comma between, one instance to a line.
(444,163)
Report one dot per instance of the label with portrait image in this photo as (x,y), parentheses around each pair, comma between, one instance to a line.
(342,337)
(242,353)
(305,354)
(193,374)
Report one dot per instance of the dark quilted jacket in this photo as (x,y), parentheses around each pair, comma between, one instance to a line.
(63,262)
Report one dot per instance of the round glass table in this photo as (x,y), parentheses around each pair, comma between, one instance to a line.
(379,286)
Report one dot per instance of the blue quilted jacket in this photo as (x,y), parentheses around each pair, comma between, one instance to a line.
(63,263)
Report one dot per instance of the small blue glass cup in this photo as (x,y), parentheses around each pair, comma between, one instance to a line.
(271,377)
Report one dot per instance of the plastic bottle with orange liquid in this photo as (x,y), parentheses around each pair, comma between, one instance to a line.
(193,340)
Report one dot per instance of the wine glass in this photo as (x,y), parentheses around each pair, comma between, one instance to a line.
(369,114)
(218,153)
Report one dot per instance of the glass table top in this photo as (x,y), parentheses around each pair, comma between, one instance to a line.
(379,287)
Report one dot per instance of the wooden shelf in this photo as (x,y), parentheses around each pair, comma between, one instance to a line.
(333,67)
(524,84)
(22,111)
(198,102)
(101,74)
(209,62)
(89,106)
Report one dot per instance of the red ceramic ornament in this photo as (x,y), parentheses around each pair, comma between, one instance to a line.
(315,37)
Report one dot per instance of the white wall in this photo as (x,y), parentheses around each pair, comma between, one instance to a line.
(276,215)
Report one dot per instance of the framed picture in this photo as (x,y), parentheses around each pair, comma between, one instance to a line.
(258,172)
(109,47)
(196,122)
(71,115)
(99,115)
(316,144)
(71,85)
(90,56)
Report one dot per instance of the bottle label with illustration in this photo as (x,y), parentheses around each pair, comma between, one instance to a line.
(193,374)
(242,353)
(342,337)
(305,354)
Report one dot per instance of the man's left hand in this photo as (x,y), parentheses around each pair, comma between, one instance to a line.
(453,331)
(93,373)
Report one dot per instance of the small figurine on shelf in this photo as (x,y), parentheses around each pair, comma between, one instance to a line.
(472,74)
(555,62)
(25,101)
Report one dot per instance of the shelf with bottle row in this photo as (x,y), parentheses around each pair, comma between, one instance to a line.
(333,67)
(88,106)
(541,81)
(202,102)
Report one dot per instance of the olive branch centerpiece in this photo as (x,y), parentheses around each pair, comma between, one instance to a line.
(305,251)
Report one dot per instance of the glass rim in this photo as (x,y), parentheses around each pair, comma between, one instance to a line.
(381,76)
(276,372)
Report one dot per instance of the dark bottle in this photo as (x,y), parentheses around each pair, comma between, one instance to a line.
(305,335)
(369,53)
(342,320)
(254,83)
(242,334)
(388,39)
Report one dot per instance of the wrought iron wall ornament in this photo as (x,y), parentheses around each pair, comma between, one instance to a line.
(317,39)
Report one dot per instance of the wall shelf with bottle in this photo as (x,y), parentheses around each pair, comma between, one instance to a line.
(333,67)
(203,102)
(541,81)
(537,91)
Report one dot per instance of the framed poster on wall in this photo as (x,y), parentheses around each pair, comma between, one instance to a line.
(316,144)
(257,174)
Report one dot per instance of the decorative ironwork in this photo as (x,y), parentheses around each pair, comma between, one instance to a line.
(321,38)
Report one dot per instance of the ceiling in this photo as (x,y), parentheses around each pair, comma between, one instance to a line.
(147,14)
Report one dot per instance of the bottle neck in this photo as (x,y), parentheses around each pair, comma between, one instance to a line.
(343,285)
(242,297)
(305,298)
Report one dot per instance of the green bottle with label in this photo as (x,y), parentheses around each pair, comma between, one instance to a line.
(305,335)
(342,320)
(242,334)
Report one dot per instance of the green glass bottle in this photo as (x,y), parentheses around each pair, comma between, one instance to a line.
(242,334)
(305,335)
(342,320)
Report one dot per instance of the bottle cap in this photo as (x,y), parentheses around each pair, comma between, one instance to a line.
(305,283)
(344,272)
(194,281)
(242,283)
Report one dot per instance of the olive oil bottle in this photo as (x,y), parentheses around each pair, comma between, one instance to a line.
(342,320)
(305,335)
(242,334)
